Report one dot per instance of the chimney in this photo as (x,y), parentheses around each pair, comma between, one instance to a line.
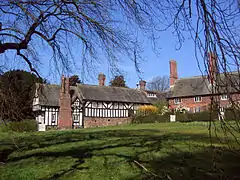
(212,67)
(101,79)
(142,84)
(173,72)
(65,112)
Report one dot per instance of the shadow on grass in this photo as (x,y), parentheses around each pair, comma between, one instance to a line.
(210,163)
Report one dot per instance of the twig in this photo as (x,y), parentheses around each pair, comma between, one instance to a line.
(143,167)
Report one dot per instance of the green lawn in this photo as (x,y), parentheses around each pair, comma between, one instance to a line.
(144,151)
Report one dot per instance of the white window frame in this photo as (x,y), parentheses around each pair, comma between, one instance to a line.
(177,100)
(222,109)
(198,99)
(151,95)
(224,97)
(196,109)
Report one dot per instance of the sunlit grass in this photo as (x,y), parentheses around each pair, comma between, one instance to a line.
(164,151)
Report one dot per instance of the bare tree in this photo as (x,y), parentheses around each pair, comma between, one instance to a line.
(111,27)
(159,83)
(30,27)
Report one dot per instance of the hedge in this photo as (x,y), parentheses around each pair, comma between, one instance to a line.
(151,118)
(232,114)
(20,126)
(198,116)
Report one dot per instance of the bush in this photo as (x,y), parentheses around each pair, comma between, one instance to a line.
(198,116)
(232,114)
(147,110)
(151,118)
(20,126)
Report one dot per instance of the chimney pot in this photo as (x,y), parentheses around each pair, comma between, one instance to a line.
(142,84)
(101,79)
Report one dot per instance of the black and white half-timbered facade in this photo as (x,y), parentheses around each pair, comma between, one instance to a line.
(88,105)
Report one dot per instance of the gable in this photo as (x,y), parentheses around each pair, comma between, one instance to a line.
(199,85)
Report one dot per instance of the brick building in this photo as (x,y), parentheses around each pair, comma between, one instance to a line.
(194,93)
(88,105)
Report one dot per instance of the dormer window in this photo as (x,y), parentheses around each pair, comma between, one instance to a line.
(197,99)
(224,97)
(177,101)
(151,95)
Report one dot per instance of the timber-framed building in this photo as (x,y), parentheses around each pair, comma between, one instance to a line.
(66,106)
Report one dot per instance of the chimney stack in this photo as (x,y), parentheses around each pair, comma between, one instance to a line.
(142,84)
(101,79)
(173,72)
(65,112)
(212,67)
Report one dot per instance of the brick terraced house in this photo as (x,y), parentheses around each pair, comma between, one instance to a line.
(194,93)
(88,105)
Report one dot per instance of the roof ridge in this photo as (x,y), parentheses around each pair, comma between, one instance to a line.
(193,77)
(198,76)
(93,85)
(48,84)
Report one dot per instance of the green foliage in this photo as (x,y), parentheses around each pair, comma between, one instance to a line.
(151,118)
(198,116)
(17,88)
(152,113)
(183,151)
(232,114)
(74,80)
(162,107)
(118,81)
(51,128)
(20,126)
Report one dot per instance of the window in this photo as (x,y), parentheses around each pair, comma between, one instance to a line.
(222,109)
(151,95)
(177,101)
(196,109)
(53,118)
(75,118)
(197,99)
(224,97)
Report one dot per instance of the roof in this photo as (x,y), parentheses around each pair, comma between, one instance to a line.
(113,94)
(49,94)
(160,96)
(200,85)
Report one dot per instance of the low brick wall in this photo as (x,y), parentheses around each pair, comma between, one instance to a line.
(98,122)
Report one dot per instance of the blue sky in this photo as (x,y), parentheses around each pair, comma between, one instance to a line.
(157,64)
(154,64)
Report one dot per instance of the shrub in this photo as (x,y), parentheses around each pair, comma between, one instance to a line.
(232,114)
(198,116)
(20,126)
(147,109)
(162,107)
(205,116)
(51,128)
(183,117)
(151,118)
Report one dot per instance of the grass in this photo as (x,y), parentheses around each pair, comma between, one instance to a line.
(143,151)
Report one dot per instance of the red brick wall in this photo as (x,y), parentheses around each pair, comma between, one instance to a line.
(173,72)
(98,122)
(65,112)
(206,100)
